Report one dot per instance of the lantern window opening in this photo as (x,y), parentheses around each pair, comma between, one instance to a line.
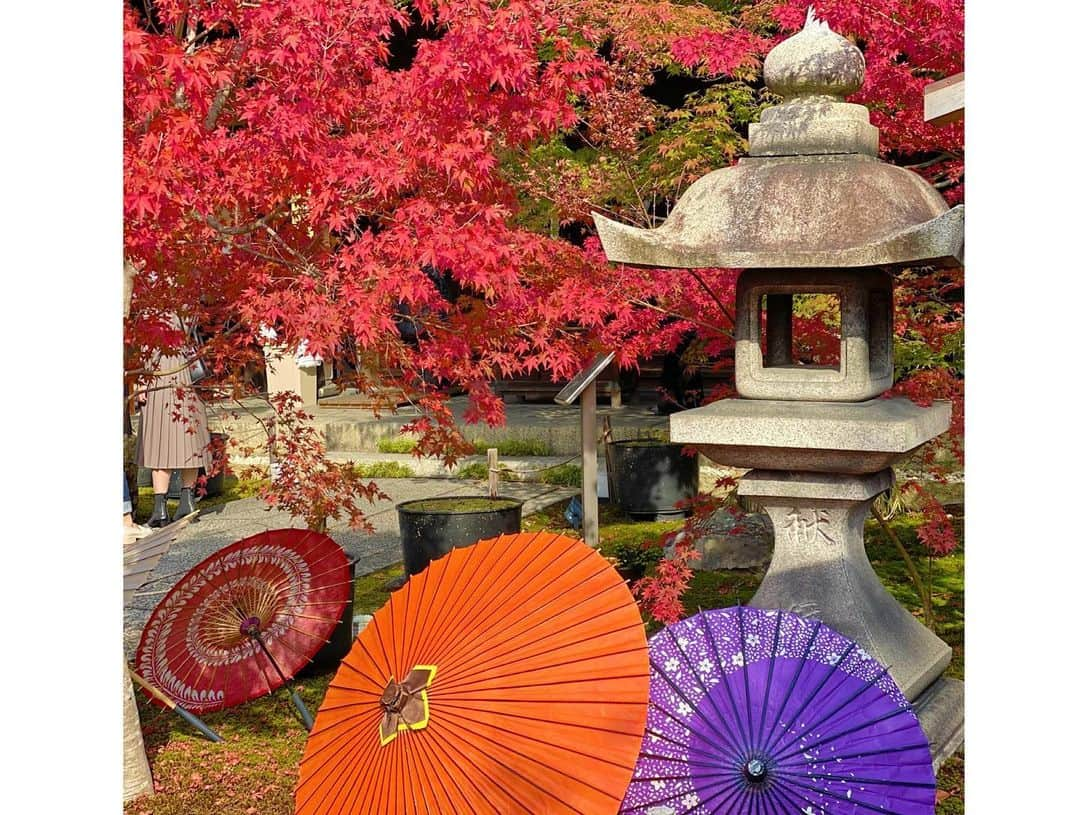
(802,330)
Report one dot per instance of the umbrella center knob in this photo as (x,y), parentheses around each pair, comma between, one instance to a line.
(250,626)
(394,698)
(755,770)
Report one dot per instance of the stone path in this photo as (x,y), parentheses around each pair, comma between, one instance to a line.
(220,526)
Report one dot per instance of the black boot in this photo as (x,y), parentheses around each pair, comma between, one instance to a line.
(187,504)
(159,517)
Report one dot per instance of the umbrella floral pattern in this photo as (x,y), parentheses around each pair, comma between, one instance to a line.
(765,711)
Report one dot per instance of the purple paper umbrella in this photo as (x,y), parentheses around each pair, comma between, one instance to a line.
(763,712)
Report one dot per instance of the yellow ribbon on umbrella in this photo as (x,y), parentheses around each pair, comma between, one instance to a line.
(405,703)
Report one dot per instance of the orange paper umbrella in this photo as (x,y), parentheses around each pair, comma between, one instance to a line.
(511,676)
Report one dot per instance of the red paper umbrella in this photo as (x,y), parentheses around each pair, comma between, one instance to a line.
(245,620)
(510,676)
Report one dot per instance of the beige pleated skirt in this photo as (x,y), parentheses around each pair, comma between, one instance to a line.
(173,433)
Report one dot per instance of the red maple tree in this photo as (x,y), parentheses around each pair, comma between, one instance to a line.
(396,184)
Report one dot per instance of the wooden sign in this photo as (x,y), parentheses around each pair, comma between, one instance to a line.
(943,101)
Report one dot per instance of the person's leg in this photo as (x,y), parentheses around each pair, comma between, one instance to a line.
(160,480)
(188,476)
(127,502)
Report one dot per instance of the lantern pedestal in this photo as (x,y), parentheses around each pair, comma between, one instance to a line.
(819,569)
(940,709)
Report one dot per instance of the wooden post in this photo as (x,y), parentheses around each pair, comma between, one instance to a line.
(590,506)
(608,437)
(493,472)
(616,393)
(943,101)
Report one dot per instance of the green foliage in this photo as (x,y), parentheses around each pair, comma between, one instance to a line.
(397,444)
(913,353)
(385,469)
(635,558)
(514,447)
(474,470)
(369,592)
(565,475)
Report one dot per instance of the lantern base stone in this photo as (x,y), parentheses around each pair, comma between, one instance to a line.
(940,709)
(820,569)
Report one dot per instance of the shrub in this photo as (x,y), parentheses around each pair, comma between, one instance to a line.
(385,469)
(477,470)
(515,447)
(397,444)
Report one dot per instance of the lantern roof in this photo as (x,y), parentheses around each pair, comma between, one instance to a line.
(811,192)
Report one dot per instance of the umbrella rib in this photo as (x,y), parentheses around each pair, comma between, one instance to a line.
(851,779)
(338,771)
(812,695)
(768,681)
(835,736)
(723,675)
(515,653)
(788,795)
(794,681)
(452,720)
(882,751)
(433,573)
(443,704)
(451,695)
(440,566)
(423,750)
(565,747)
(464,754)
(731,788)
(663,736)
(768,800)
(778,742)
(498,597)
(735,749)
(674,760)
(781,745)
(705,691)
(438,739)
(497,594)
(410,618)
(652,802)
(830,794)
(356,670)
(746,677)
(489,676)
(390,668)
(340,743)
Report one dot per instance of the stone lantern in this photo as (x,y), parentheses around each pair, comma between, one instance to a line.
(811,210)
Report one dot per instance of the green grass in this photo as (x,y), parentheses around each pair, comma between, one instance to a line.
(397,444)
(474,471)
(385,469)
(369,593)
(515,447)
(233,489)
(256,768)
(564,475)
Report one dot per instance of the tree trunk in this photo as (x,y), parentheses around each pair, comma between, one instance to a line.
(137,778)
